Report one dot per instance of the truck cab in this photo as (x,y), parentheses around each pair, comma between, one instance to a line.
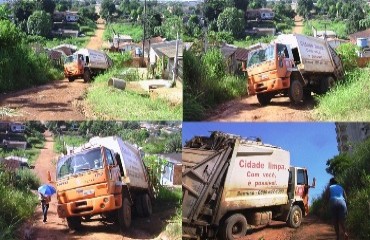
(88,183)
(74,66)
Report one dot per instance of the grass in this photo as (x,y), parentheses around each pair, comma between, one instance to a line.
(169,195)
(253,40)
(133,30)
(337,26)
(111,103)
(349,101)
(68,140)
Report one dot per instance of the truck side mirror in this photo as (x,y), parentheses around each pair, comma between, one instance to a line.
(49,176)
(313,183)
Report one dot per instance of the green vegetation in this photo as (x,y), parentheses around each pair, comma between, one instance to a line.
(352,171)
(206,83)
(337,26)
(20,66)
(17,201)
(35,141)
(111,103)
(349,101)
(173,229)
(253,40)
(133,30)
(61,141)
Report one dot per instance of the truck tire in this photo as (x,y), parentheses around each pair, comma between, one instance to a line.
(307,94)
(74,223)
(124,214)
(234,227)
(71,79)
(264,98)
(326,84)
(296,91)
(139,206)
(87,75)
(295,217)
(147,205)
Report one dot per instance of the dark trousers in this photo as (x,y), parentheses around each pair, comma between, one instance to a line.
(45,208)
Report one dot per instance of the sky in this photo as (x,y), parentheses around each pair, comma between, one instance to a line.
(310,144)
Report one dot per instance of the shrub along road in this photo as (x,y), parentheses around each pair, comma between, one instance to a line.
(56,228)
(55,100)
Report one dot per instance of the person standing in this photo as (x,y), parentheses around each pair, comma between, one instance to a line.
(338,206)
(45,200)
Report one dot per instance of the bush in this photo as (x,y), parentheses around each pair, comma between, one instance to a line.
(26,179)
(348,55)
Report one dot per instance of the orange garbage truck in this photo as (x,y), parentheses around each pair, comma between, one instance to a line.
(86,63)
(105,176)
(293,65)
(230,183)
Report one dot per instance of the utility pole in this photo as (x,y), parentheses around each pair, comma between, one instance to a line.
(175,61)
(144,23)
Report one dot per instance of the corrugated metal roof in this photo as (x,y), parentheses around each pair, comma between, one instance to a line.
(228,50)
(362,34)
(168,48)
(241,54)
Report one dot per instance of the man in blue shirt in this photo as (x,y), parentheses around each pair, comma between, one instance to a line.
(338,206)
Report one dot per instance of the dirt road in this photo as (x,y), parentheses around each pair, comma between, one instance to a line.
(58,100)
(280,109)
(311,228)
(57,229)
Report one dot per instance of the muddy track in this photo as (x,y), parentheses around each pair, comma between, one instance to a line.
(96,228)
(248,109)
(57,100)
(311,228)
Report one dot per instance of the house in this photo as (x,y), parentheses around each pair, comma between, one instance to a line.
(57,56)
(336,42)
(9,144)
(241,56)
(17,127)
(228,52)
(149,42)
(259,14)
(123,43)
(354,37)
(67,49)
(12,163)
(163,55)
(71,16)
(171,173)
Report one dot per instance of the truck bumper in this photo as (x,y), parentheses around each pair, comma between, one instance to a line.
(90,206)
(268,85)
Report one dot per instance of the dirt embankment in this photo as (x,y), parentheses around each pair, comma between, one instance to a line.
(95,229)
(58,100)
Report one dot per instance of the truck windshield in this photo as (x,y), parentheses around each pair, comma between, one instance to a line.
(81,162)
(261,55)
(70,58)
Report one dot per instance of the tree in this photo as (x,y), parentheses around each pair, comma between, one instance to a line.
(22,10)
(88,13)
(39,23)
(47,5)
(212,8)
(107,9)
(254,4)
(283,10)
(304,7)
(171,27)
(231,20)
(241,4)
(4,12)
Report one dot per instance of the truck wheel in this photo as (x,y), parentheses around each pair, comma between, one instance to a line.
(124,214)
(74,223)
(295,217)
(139,206)
(307,94)
(264,98)
(327,84)
(234,227)
(147,205)
(296,91)
(71,79)
(87,75)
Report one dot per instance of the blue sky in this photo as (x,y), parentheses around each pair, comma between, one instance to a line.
(310,144)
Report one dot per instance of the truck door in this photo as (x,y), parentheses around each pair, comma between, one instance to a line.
(282,61)
(113,172)
(302,187)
